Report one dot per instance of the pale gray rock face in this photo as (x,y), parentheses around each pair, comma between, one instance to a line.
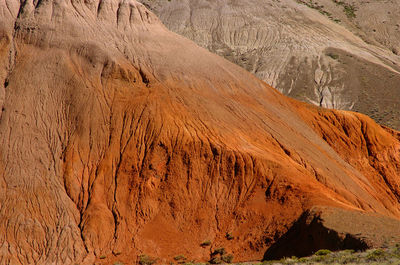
(318,53)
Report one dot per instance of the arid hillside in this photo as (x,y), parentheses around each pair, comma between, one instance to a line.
(120,139)
(341,54)
(376,22)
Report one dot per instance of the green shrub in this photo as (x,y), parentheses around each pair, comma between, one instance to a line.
(220,251)
(333,56)
(229,236)
(302,260)
(376,255)
(146,260)
(318,258)
(179,257)
(322,252)
(228,258)
(103,257)
(215,260)
(205,243)
(349,259)
(349,10)
(396,251)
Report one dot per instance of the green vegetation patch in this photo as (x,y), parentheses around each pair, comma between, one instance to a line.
(215,260)
(348,9)
(220,251)
(228,258)
(146,260)
(323,252)
(229,236)
(376,255)
(179,257)
(205,243)
(333,56)
(372,256)
(314,5)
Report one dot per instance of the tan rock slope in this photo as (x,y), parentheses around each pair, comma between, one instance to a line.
(120,138)
(341,54)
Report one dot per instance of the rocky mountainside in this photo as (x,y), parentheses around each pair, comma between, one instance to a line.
(340,54)
(120,138)
(377,23)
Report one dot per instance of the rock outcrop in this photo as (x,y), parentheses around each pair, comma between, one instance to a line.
(120,138)
(335,54)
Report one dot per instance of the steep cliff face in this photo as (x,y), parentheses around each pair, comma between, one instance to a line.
(120,138)
(329,53)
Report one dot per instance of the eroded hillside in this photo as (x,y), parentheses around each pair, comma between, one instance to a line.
(331,53)
(120,138)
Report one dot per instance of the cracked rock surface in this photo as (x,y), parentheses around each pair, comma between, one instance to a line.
(120,138)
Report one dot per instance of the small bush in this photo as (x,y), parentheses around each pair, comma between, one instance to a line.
(302,260)
(333,56)
(179,257)
(349,259)
(322,252)
(396,251)
(220,251)
(349,10)
(215,260)
(103,257)
(376,255)
(318,258)
(229,236)
(146,260)
(228,258)
(205,243)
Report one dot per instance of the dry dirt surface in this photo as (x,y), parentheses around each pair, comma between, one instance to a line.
(120,138)
(341,54)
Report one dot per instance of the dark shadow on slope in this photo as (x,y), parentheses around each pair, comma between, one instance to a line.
(307,235)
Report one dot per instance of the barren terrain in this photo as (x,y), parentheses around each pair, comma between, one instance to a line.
(341,54)
(120,139)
